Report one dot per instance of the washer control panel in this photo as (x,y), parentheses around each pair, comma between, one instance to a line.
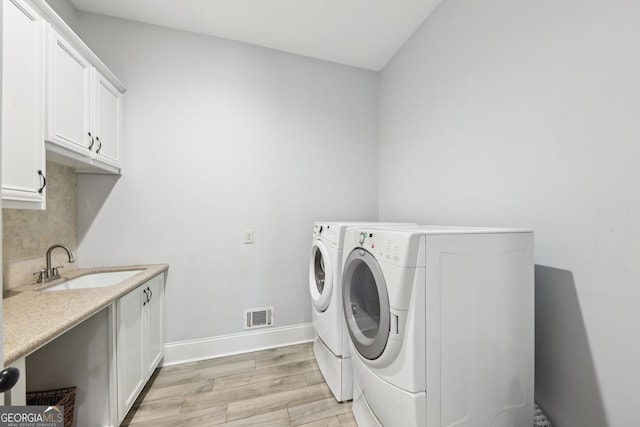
(399,247)
(328,232)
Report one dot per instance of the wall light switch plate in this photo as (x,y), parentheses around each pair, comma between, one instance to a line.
(248,236)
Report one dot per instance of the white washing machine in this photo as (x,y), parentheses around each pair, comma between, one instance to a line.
(441,321)
(331,346)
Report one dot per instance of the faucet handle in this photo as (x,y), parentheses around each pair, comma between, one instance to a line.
(55,272)
(41,275)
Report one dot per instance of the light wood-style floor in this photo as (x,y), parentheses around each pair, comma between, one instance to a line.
(277,387)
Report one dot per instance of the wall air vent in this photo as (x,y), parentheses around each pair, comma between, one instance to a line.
(258,317)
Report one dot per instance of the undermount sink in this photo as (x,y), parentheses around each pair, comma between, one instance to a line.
(94,280)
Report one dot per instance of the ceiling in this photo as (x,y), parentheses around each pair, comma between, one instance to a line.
(360,33)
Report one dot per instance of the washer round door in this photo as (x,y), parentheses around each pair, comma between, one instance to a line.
(365,303)
(320,276)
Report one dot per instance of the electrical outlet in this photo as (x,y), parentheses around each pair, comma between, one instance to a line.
(248,236)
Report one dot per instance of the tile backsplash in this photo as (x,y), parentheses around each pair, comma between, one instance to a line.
(27,234)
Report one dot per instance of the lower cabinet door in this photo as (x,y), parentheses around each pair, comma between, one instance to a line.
(130,349)
(154,319)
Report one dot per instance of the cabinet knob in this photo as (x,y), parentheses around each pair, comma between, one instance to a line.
(92,141)
(44,181)
(8,378)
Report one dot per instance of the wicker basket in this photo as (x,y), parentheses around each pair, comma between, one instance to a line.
(65,397)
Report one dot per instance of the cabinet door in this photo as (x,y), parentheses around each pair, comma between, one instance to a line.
(22,106)
(130,351)
(154,319)
(69,98)
(107,126)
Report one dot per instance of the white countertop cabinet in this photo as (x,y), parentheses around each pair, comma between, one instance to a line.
(113,342)
(23,152)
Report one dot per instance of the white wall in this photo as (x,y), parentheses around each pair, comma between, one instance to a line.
(526,114)
(220,137)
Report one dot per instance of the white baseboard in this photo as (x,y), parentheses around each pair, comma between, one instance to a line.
(226,345)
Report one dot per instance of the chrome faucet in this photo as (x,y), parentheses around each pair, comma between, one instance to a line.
(52,273)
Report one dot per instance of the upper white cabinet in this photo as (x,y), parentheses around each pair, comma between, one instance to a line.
(84,111)
(59,103)
(23,152)
(68,97)
(107,121)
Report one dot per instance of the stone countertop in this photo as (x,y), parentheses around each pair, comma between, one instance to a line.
(32,318)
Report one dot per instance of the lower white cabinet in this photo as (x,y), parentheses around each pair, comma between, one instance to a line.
(109,356)
(129,349)
(154,322)
(140,340)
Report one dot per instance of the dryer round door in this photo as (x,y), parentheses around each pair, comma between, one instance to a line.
(320,276)
(365,303)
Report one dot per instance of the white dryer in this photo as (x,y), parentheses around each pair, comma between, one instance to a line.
(441,321)
(331,346)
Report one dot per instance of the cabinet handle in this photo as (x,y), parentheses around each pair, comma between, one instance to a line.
(44,181)
(146,297)
(150,293)
(99,146)
(92,141)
